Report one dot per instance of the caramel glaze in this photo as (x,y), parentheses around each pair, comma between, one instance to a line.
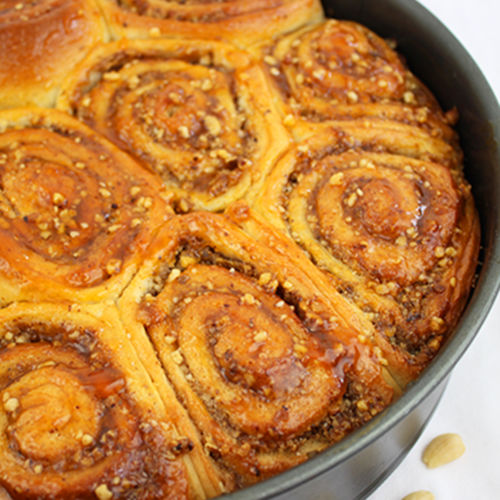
(70,428)
(266,372)
(79,209)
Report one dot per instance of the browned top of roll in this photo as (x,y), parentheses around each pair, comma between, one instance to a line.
(40,39)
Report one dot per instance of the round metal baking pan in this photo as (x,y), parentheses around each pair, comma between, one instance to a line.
(354,467)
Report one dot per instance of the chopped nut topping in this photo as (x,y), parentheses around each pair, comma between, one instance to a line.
(113,266)
(265,278)
(206,60)
(319,74)
(58,198)
(362,406)
(336,179)
(111,76)
(87,440)
(207,84)
(351,200)
(352,96)
(409,97)
(260,336)
(270,60)
(439,252)
(436,323)
(186,261)
(104,193)
(450,252)
(289,120)
(213,125)
(401,241)
(411,232)
(11,405)
(300,349)
(103,492)
(248,299)
(184,131)
(135,190)
(174,274)
(177,357)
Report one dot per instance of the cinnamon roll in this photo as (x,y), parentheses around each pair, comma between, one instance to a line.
(78,416)
(151,348)
(269,372)
(37,39)
(398,236)
(240,21)
(197,113)
(340,70)
(76,214)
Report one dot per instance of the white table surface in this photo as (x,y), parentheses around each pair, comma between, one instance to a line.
(471,403)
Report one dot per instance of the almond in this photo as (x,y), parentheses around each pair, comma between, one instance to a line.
(442,450)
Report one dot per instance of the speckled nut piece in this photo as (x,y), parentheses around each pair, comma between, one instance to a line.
(442,450)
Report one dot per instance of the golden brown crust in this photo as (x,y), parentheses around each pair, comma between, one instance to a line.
(77,413)
(398,236)
(268,372)
(76,213)
(242,22)
(38,40)
(198,113)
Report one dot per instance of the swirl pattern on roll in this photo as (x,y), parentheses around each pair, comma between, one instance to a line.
(340,70)
(76,213)
(69,425)
(267,372)
(185,110)
(397,235)
(242,22)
